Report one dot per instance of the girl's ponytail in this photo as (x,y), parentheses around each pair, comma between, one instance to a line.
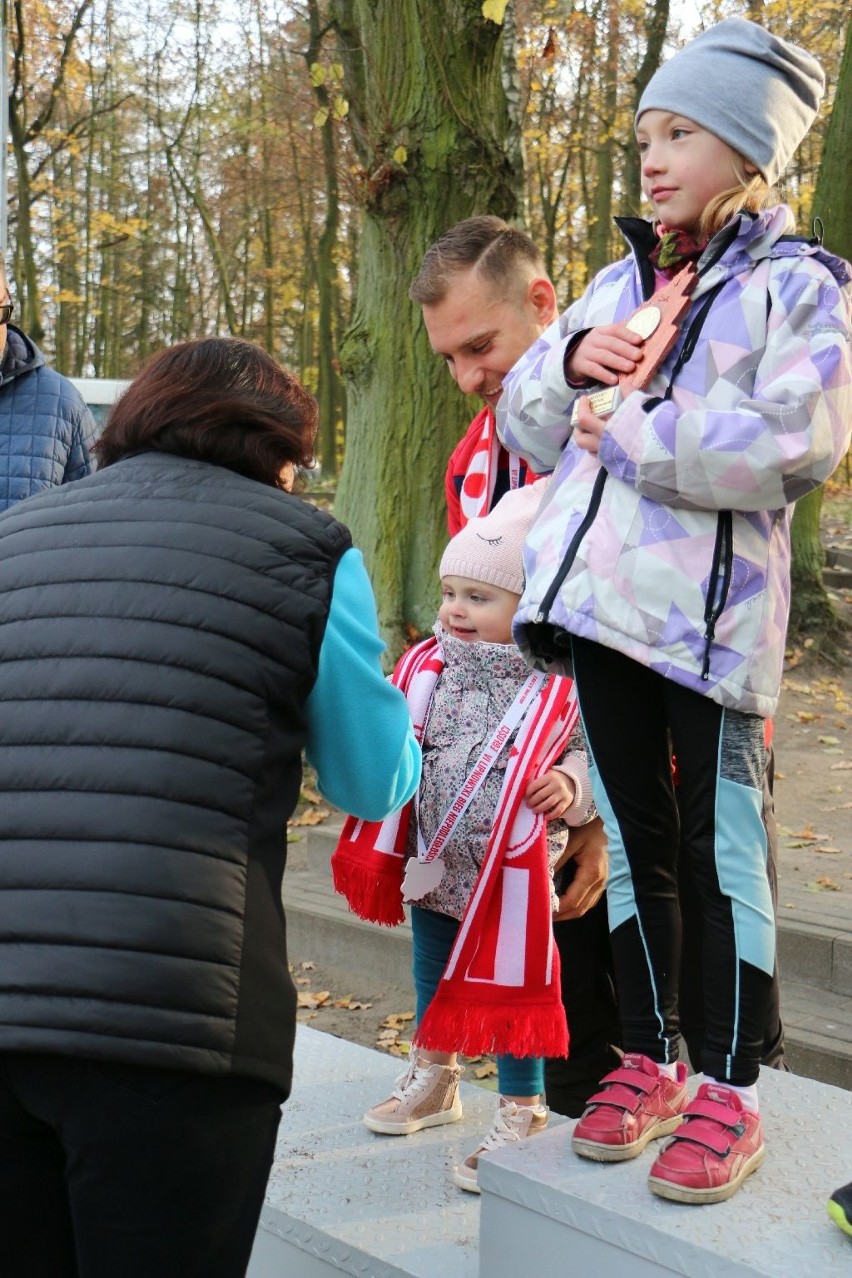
(750,194)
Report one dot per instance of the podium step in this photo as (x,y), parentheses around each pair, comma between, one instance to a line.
(544,1207)
(343,1200)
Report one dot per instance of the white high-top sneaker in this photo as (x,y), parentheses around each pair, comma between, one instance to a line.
(512,1123)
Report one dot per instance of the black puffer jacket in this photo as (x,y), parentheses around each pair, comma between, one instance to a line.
(161,623)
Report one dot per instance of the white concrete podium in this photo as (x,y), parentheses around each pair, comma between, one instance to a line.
(583,1218)
(344,1201)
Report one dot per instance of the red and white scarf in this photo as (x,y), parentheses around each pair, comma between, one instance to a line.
(477,490)
(500,990)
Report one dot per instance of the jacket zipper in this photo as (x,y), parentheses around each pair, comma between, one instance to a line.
(573,546)
(597,491)
(691,339)
(719,583)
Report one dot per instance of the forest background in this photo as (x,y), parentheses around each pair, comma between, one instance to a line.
(276,168)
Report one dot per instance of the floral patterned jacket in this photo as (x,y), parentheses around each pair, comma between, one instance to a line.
(475,689)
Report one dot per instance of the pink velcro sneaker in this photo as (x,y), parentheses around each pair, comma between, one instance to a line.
(718,1144)
(636,1104)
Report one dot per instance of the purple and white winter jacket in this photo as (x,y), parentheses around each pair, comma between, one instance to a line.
(672,545)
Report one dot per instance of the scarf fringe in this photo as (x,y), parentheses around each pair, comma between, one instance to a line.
(372,895)
(472,1028)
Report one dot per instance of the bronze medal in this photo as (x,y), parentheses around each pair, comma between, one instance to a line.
(657,321)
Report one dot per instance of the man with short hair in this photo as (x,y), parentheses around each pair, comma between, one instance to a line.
(486,297)
(46,430)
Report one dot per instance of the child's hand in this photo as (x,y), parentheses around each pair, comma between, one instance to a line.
(605,351)
(587,849)
(551,794)
(589,428)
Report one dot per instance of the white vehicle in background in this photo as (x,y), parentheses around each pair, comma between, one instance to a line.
(100,393)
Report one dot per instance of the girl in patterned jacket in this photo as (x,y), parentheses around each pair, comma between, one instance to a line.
(471,730)
(658,567)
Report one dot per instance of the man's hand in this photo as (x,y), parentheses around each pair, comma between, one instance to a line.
(587,849)
(551,794)
(606,351)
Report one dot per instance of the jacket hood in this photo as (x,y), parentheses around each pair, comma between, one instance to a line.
(21,355)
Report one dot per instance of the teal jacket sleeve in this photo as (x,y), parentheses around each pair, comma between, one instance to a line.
(360,738)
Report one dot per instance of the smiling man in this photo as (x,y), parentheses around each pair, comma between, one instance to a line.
(486,297)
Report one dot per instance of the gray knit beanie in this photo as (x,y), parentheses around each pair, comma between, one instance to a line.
(490,549)
(756,92)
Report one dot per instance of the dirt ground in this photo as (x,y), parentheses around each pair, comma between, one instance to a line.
(355,1009)
(813,798)
(813,738)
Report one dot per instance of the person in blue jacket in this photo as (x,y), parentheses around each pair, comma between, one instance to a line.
(46,430)
(178,628)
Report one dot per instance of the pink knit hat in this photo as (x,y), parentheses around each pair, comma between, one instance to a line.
(490,549)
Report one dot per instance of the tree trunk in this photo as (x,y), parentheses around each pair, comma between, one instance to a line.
(30,303)
(600,222)
(27,126)
(429,121)
(812,612)
(655,30)
(834,183)
(328,394)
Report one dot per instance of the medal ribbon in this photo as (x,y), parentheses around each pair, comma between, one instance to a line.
(513,716)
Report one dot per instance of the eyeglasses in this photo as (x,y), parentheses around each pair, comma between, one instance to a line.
(6,309)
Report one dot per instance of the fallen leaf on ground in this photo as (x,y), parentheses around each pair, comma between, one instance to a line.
(402,1048)
(397,1019)
(794,686)
(304,999)
(826,850)
(307,966)
(823,884)
(301,980)
(387,1036)
(841,767)
(310,796)
(486,1070)
(311,816)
